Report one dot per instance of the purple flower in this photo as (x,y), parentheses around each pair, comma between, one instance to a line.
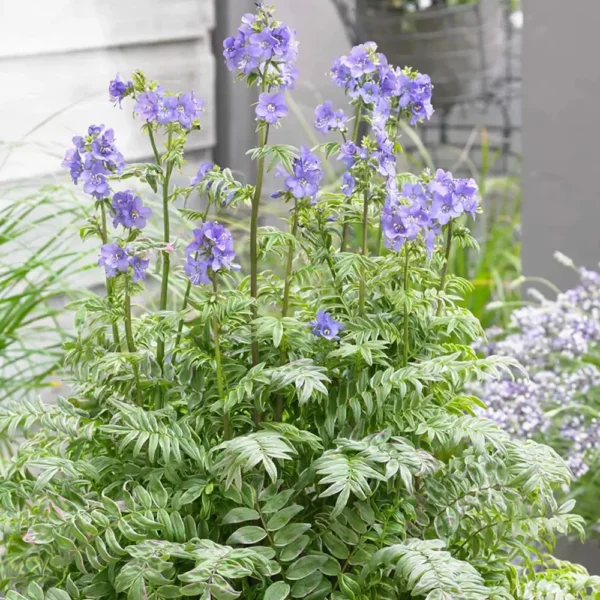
(95,182)
(271,107)
(414,193)
(349,153)
(231,49)
(139,265)
(323,116)
(341,74)
(94,157)
(446,203)
(118,89)
(388,81)
(360,61)
(414,92)
(147,105)
(72,161)
(103,148)
(95,130)
(467,193)
(205,167)
(288,73)
(339,122)
(306,175)
(420,111)
(167,110)
(285,42)
(348,184)
(265,48)
(196,271)
(385,154)
(214,244)
(245,62)
(246,29)
(381,113)
(326,326)
(263,44)
(114,259)
(369,92)
(130,211)
(189,108)
(444,208)
(442,184)
(398,229)
(327,120)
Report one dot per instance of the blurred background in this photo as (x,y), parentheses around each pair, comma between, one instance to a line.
(515,90)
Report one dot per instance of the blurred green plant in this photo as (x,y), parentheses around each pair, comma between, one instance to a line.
(39,269)
(497,265)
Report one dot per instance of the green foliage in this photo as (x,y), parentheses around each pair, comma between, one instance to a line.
(38,269)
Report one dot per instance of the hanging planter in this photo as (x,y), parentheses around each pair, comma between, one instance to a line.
(460,47)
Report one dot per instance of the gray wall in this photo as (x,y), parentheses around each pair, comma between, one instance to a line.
(561,130)
(55,78)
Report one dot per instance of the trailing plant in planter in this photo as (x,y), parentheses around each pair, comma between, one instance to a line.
(460,43)
(299,435)
(416,5)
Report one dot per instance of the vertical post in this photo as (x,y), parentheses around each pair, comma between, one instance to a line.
(236,128)
(560,208)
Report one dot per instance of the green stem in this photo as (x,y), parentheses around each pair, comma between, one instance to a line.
(166,256)
(186,298)
(290,262)
(365,250)
(263,135)
(286,302)
(109,283)
(220,387)
(357,123)
(131,342)
(406,288)
(153,143)
(446,261)
(379,240)
(346,227)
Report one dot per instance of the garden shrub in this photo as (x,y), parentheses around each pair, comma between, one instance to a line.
(269,435)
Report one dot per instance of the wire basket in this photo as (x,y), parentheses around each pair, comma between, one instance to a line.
(460,47)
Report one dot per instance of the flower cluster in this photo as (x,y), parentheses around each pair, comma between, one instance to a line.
(93,158)
(425,207)
(115,259)
(157,106)
(129,210)
(327,119)
(385,91)
(550,340)
(305,177)
(118,90)
(265,50)
(384,94)
(210,251)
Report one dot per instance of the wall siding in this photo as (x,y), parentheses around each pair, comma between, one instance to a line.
(59,69)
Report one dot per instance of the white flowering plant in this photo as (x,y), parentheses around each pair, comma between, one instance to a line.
(266,435)
(557,400)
